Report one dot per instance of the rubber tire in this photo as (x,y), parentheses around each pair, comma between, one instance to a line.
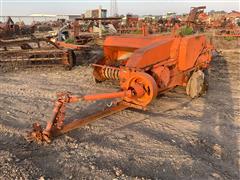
(197,84)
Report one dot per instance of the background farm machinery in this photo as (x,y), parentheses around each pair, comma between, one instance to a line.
(11,30)
(33,52)
(20,47)
(226,26)
(144,66)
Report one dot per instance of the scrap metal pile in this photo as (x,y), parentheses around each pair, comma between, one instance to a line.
(9,29)
(226,25)
(87,30)
(19,47)
(196,18)
(144,66)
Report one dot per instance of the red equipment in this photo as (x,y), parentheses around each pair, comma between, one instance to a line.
(197,18)
(144,67)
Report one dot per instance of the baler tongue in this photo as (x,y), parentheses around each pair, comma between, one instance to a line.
(40,135)
(56,126)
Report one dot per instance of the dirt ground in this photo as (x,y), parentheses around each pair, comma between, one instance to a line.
(176,138)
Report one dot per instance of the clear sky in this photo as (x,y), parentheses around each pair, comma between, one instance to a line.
(140,7)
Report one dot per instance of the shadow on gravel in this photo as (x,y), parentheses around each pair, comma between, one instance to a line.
(217,144)
(218,135)
(28,160)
